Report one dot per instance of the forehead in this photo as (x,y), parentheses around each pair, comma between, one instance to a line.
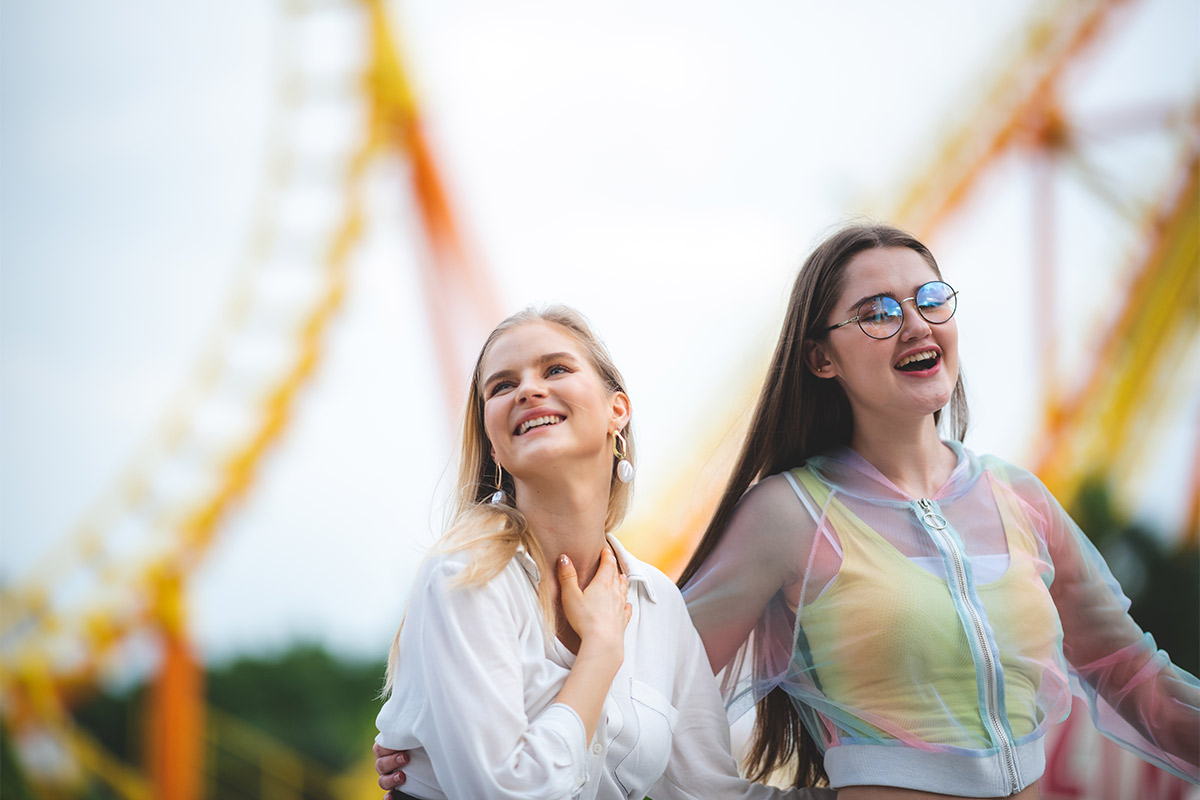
(526,342)
(886,270)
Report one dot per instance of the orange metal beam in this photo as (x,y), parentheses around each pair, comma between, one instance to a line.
(461,297)
(1092,425)
(175,727)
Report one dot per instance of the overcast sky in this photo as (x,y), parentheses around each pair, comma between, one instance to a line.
(665,168)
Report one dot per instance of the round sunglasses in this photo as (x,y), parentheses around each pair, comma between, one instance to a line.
(881,317)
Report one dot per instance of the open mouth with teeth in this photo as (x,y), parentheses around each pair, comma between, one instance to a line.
(917,362)
(538,422)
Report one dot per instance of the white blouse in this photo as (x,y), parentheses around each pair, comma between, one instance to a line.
(474,698)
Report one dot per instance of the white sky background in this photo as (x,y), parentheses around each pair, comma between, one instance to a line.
(665,168)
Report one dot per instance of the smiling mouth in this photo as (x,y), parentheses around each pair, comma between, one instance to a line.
(538,422)
(917,362)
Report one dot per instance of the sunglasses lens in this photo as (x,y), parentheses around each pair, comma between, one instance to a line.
(880,317)
(936,301)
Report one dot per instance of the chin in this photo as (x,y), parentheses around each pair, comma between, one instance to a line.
(934,404)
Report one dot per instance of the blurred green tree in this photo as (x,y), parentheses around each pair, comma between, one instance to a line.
(13,785)
(317,704)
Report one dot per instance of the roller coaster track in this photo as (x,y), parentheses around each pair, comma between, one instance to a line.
(120,579)
(1017,109)
(1007,110)
(1136,364)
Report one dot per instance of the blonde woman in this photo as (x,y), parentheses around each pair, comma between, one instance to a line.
(538,658)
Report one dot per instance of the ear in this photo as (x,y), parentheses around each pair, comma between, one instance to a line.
(816,358)
(621,410)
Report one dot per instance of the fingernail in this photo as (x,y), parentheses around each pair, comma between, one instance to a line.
(563,561)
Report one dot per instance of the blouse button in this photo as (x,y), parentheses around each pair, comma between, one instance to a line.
(596,748)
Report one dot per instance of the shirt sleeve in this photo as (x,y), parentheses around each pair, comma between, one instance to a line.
(1136,696)
(701,764)
(461,643)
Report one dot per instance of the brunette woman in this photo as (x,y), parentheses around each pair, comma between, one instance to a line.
(909,617)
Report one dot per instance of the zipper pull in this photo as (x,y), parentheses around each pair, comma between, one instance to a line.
(930,516)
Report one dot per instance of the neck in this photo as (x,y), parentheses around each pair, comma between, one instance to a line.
(566,515)
(912,456)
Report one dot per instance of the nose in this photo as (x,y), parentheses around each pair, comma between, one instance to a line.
(531,388)
(913,325)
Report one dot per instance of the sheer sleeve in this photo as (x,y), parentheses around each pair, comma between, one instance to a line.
(1136,696)
(739,598)
(701,764)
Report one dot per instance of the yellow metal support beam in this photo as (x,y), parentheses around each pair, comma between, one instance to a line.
(1096,428)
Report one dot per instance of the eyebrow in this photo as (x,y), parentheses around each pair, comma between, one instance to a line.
(560,356)
(854,306)
(873,295)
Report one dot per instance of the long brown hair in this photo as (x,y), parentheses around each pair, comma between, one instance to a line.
(797,416)
(493,532)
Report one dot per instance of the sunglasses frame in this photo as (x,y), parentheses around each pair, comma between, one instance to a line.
(900,303)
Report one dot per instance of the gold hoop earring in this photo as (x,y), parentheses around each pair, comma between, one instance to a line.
(624,465)
(498,495)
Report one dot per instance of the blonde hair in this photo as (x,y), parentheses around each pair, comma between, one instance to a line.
(492,533)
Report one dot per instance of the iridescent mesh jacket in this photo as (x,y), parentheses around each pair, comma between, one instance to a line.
(928,643)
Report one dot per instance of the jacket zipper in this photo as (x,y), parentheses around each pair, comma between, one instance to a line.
(937,523)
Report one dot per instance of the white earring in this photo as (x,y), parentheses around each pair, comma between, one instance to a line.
(624,465)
